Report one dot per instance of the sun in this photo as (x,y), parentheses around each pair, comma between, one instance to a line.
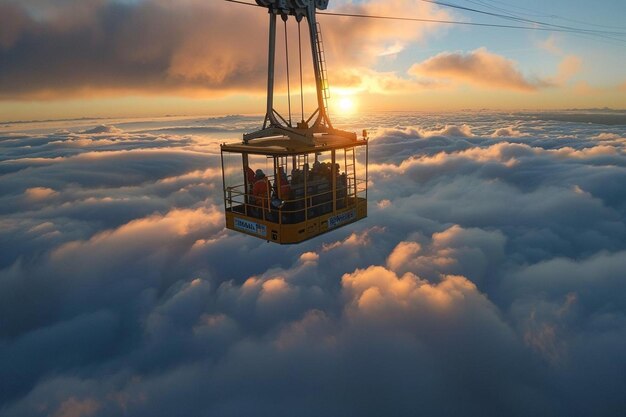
(346,105)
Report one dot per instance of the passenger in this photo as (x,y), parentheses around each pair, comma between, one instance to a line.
(261,190)
(250,179)
(296,176)
(250,175)
(327,171)
(284,190)
(315,172)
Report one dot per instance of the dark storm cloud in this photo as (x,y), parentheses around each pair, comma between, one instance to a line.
(487,280)
(114,46)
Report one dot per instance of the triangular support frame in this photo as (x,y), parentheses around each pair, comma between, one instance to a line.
(319,123)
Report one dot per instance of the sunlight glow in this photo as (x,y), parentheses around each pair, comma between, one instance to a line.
(345,106)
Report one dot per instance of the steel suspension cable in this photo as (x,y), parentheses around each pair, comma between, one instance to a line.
(288,78)
(301,78)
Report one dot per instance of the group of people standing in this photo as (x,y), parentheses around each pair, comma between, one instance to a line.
(264,197)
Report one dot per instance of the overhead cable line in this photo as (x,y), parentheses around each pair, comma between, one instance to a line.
(490,4)
(609,35)
(545,28)
(524,20)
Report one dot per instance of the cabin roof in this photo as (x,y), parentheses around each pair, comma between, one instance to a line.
(284,145)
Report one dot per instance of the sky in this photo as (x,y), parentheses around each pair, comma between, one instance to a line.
(105,58)
(487,280)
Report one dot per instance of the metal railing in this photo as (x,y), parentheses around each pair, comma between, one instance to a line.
(305,204)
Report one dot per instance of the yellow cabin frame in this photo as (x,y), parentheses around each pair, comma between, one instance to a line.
(324,196)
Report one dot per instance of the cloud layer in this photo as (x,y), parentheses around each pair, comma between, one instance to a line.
(51,49)
(487,280)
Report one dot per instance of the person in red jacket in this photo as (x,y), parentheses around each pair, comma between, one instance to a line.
(250,176)
(261,190)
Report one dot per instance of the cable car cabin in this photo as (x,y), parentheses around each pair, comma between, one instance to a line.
(287,183)
(285,191)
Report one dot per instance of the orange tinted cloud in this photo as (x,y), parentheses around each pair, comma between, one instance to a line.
(479,67)
(569,67)
(379,292)
(73,407)
(188,47)
(138,235)
(39,193)
(402,254)
(362,79)
(114,48)
(359,42)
